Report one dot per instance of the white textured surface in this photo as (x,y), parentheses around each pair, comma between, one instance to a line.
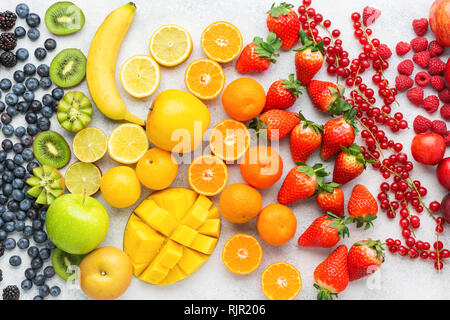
(399,278)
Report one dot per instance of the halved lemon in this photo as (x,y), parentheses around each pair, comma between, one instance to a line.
(128,143)
(208,175)
(90,145)
(170,45)
(229,140)
(222,42)
(205,79)
(140,76)
(83,178)
(281,281)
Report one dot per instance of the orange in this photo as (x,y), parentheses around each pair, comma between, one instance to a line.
(242,254)
(281,281)
(244,99)
(205,79)
(262,167)
(229,140)
(239,203)
(276,224)
(222,42)
(208,175)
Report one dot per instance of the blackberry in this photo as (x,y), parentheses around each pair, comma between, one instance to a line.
(11,293)
(1,275)
(8,59)
(8,41)
(2,252)
(7,20)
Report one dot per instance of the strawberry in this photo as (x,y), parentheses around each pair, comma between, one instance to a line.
(325,232)
(420,26)
(306,139)
(349,164)
(259,55)
(277,123)
(301,183)
(362,207)
(285,24)
(370,14)
(308,59)
(326,96)
(332,276)
(330,198)
(283,94)
(364,258)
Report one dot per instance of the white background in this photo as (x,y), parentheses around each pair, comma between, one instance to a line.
(399,278)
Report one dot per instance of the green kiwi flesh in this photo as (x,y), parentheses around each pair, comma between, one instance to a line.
(68,68)
(51,149)
(62,263)
(47,184)
(64,18)
(74,111)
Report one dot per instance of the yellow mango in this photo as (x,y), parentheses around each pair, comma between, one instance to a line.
(196,216)
(158,218)
(155,273)
(175,275)
(170,254)
(184,235)
(192,261)
(204,202)
(203,244)
(214,213)
(211,228)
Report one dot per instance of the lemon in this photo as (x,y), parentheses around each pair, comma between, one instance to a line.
(140,76)
(83,178)
(170,45)
(90,145)
(128,143)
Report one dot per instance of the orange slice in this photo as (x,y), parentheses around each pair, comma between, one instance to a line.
(205,79)
(208,175)
(242,254)
(222,42)
(229,140)
(281,281)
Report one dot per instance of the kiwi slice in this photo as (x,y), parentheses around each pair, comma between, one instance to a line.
(74,111)
(51,149)
(68,68)
(64,263)
(47,184)
(64,18)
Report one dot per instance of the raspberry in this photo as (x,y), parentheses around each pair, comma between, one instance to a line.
(447,138)
(402,48)
(436,66)
(419,44)
(416,96)
(422,59)
(423,79)
(445,112)
(431,104)
(421,124)
(438,83)
(420,26)
(403,83)
(406,67)
(370,15)
(384,52)
(444,95)
(436,50)
(439,127)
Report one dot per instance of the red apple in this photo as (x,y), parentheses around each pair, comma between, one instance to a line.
(443,173)
(428,148)
(440,21)
(445,207)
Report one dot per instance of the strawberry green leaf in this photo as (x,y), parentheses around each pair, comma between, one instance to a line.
(282,9)
(366,221)
(294,85)
(269,48)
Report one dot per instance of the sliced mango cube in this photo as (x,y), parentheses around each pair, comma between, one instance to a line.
(192,261)
(155,273)
(204,202)
(214,213)
(203,244)
(184,235)
(158,218)
(170,254)
(196,216)
(175,275)
(211,228)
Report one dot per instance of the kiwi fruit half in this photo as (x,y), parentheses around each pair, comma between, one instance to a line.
(74,111)
(64,18)
(65,263)
(68,68)
(51,149)
(47,184)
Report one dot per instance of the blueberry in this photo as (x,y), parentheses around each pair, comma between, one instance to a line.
(33,34)
(22,10)
(7,190)
(5,84)
(43,70)
(18,195)
(3,235)
(36,106)
(20,132)
(7,176)
(39,280)
(21,216)
(27,141)
(33,252)
(26,285)
(49,272)
(8,130)
(12,111)
(36,263)
(19,76)
(29,69)
(39,236)
(45,83)
(31,166)
(50,245)
(10,164)
(8,216)
(30,273)
(47,112)
(15,261)
(32,130)
(18,148)
(37,225)
(23,106)
(23,243)
(9,227)
(28,155)
(9,244)
(2,156)
(13,206)
(33,20)
(7,144)
(19,226)
(31,118)
(44,290)
(18,184)
(22,54)
(5,118)
(32,84)
(55,291)
(2,106)
(18,89)
(2,169)
(40,54)
(58,93)
(37,298)
(43,124)
(47,100)
(20,32)
(28,231)
(28,96)
(11,99)
(44,254)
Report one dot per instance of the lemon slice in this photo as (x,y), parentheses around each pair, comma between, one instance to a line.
(140,76)
(170,45)
(90,145)
(128,143)
(83,178)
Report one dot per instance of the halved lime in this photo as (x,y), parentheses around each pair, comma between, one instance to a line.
(90,145)
(83,178)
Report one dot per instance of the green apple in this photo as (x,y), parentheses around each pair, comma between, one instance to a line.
(77,224)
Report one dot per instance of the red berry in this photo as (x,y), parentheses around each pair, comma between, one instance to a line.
(445,112)
(438,83)
(444,95)
(406,67)
(421,124)
(439,126)
(435,49)
(431,104)
(416,96)
(402,48)
(419,44)
(422,59)
(403,83)
(423,79)
(384,52)
(370,14)
(436,66)
(420,26)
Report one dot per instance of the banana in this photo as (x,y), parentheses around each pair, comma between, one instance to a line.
(101,64)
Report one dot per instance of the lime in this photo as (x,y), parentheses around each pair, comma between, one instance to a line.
(83,178)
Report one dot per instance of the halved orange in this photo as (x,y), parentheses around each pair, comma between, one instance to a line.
(242,254)
(205,79)
(208,175)
(229,140)
(281,281)
(222,42)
